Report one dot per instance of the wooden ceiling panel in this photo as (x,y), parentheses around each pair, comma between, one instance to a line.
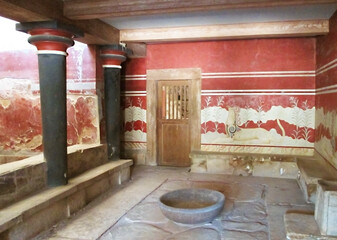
(88,9)
(227,31)
(95,31)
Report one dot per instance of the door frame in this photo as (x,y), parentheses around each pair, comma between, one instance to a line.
(153,76)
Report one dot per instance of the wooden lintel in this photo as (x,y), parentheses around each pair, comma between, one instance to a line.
(138,50)
(228,31)
(88,9)
(96,31)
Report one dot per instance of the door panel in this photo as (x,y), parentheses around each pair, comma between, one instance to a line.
(173,123)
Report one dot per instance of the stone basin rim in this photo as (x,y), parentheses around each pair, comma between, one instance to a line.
(219,201)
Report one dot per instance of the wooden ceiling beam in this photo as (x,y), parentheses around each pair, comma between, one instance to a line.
(95,31)
(227,31)
(88,9)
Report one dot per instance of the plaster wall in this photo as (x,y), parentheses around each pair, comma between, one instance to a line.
(263,87)
(326,96)
(20,114)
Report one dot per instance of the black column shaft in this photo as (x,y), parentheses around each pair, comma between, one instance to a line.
(52,71)
(112,111)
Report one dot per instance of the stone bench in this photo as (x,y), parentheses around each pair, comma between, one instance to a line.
(311,170)
(26,177)
(27,218)
(262,165)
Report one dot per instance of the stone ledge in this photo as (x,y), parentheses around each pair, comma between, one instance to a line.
(21,212)
(311,170)
(259,164)
(38,159)
(26,177)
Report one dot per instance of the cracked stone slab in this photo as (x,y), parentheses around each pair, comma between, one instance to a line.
(237,235)
(250,227)
(147,213)
(197,234)
(252,211)
(135,231)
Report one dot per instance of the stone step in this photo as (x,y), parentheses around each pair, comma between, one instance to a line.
(27,218)
(311,170)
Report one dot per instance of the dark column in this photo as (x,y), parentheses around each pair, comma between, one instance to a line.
(52,40)
(112,57)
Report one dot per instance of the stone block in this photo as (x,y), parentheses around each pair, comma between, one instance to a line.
(76,201)
(301,225)
(199,167)
(308,189)
(115,179)
(326,207)
(312,170)
(219,165)
(7,184)
(96,189)
(125,174)
(275,169)
(242,166)
(85,157)
(39,222)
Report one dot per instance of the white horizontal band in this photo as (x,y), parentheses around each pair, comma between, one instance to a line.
(260,73)
(252,94)
(259,90)
(52,52)
(133,95)
(134,76)
(127,92)
(259,76)
(112,66)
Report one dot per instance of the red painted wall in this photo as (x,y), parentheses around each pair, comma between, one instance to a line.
(20,116)
(234,55)
(326,97)
(268,79)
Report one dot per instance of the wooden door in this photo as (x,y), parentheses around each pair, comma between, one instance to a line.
(173,123)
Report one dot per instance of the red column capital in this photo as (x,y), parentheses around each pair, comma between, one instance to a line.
(113,55)
(50,37)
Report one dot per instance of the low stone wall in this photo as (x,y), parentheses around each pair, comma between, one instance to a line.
(31,216)
(261,165)
(84,157)
(26,177)
(21,179)
(12,158)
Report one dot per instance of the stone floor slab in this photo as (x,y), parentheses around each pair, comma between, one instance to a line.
(302,225)
(254,208)
(276,216)
(135,231)
(99,218)
(197,234)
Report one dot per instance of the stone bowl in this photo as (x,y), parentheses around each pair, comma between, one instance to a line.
(192,206)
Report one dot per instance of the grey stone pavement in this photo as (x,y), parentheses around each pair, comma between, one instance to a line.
(254,208)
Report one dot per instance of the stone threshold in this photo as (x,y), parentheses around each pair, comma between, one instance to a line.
(27,218)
